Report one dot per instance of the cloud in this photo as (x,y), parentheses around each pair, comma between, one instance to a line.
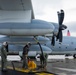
(47,9)
(69,4)
(43,3)
(71,27)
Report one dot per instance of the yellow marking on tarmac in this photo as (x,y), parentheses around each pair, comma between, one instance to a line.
(43,74)
(20,69)
(28,70)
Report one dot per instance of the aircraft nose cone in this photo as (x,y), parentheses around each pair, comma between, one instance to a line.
(51,26)
(43,26)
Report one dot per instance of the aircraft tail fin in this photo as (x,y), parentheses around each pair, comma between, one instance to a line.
(68,33)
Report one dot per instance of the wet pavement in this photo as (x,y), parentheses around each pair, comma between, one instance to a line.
(63,67)
(56,66)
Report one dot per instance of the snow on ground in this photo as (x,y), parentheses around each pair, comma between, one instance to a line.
(56,57)
(13,58)
(50,57)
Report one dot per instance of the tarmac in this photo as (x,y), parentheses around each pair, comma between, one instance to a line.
(66,66)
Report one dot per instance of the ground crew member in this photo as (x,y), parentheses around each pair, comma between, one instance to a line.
(25,54)
(43,60)
(4,56)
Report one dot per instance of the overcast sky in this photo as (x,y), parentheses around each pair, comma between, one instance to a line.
(47,10)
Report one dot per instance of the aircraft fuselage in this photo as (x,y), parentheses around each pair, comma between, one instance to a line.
(68,46)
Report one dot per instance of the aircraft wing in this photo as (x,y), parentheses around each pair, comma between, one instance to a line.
(17,7)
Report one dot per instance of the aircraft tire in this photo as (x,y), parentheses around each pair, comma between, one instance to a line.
(74,55)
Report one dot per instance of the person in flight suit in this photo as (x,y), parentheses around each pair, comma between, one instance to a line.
(25,55)
(4,49)
(43,60)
